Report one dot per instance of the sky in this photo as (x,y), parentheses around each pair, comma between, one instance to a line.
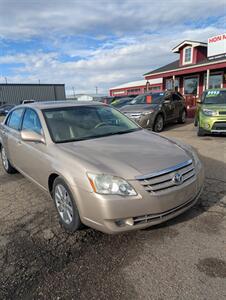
(98,43)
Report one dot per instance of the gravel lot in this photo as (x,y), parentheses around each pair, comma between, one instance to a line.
(182,259)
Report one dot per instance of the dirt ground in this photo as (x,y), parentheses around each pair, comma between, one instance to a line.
(184,258)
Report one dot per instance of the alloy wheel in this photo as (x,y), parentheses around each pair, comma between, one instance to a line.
(159,124)
(5,159)
(63,203)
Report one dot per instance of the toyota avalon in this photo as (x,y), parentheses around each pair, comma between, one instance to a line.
(100,168)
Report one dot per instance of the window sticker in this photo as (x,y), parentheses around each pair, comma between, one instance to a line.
(148,99)
(212,93)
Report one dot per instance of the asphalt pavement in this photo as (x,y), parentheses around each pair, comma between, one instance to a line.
(184,258)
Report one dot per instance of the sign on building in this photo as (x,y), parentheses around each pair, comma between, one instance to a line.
(217,45)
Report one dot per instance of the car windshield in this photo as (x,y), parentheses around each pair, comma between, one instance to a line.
(154,98)
(121,102)
(215,97)
(68,124)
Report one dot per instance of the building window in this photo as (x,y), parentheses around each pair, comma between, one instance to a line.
(187,55)
(133,91)
(169,84)
(215,81)
(191,85)
(155,88)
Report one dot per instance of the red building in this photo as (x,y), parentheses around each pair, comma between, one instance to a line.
(199,66)
(136,87)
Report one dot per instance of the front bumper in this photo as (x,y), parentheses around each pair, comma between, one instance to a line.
(145,121)
(213,124)
(114,214)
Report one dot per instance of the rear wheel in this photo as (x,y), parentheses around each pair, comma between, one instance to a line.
(66,206)
(182,117)
(159,123)
(6,163)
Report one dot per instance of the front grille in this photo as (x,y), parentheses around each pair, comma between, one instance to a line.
(165,179)
(222,112)
(155,217)
(133,115)
(219,126)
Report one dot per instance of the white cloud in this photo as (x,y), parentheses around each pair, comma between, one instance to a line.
(133,38)
(104,67)
(34,18)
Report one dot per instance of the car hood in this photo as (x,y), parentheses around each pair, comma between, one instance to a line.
(218,107)
(126,155)
(139,107)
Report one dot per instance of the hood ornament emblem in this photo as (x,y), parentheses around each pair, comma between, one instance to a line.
(177,179)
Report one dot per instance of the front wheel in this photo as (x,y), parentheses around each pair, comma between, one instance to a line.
(159,124)
(200,132)
(6,163)
(66,206)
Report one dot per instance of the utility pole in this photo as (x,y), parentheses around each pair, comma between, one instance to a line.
(73,88)
(6,81)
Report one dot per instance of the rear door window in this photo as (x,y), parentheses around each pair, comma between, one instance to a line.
(15,118)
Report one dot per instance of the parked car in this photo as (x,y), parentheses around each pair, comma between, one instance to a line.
(154,110)
(119,103)
(100,167)
(4,109)
(211,112)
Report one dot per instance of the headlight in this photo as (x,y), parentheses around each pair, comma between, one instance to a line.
(147,112)
(209,112)
(110,185)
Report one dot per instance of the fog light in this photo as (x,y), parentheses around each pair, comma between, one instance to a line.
(129,222)
(120,222)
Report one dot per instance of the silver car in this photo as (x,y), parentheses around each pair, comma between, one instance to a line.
(100,168)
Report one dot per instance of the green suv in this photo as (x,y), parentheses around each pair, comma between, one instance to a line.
(211,112)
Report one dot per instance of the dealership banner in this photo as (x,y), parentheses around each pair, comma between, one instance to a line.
(217,45)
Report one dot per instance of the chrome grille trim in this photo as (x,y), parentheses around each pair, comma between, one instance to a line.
(154,217)
(163,180)
(165,171)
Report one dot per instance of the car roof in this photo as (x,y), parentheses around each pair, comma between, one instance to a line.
(58,104)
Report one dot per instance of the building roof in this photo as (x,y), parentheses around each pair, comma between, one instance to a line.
(175,65)
(188,42)
(31,84)
(137,83)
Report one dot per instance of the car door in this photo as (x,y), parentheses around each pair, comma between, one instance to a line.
(11,135)
(32,155)
(178,105)
(168,106)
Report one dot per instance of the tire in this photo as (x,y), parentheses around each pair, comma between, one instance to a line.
(200,132)
(182,117)
(66,206)
(159,123)
(195,122)
(6,163)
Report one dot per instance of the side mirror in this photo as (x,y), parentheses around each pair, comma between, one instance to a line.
(31,136)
